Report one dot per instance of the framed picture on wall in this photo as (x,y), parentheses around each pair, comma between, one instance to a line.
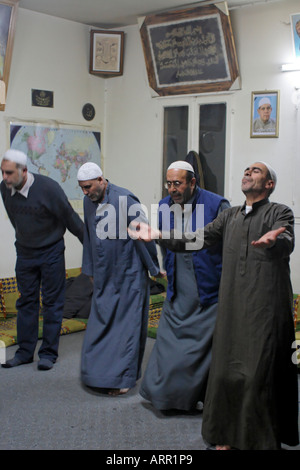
(264,114)
(106,52)
(8,13)
(190,50)
(295,25)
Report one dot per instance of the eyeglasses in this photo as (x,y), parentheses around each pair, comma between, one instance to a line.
(176,184)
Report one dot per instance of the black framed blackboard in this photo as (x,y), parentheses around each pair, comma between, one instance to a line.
(190,50)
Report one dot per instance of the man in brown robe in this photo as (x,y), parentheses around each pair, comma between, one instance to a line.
(251,401)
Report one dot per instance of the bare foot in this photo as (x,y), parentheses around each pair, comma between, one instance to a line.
(222,447)
(118,391)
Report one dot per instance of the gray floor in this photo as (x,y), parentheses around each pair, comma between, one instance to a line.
(51,410)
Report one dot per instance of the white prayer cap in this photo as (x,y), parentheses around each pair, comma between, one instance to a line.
(264,100)
(16,156)
(181,165)
(89,171)
(272,174)
(271,171)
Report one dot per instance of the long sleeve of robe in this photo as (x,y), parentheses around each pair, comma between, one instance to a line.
(252,395)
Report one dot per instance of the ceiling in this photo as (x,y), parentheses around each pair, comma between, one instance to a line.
(114,13)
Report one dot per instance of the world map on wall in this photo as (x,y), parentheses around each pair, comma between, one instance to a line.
(57,152)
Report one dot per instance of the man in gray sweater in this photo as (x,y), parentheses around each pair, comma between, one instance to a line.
(40,214)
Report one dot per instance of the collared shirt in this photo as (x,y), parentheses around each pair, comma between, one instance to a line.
(25,189)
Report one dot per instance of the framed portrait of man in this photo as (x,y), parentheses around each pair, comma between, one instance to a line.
(295,25)
(264,114)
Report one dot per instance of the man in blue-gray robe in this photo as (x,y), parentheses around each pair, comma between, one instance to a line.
(117,328)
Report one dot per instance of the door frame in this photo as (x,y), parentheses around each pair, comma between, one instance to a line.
(193,103)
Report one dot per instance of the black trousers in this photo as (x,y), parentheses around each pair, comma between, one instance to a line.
(40,271)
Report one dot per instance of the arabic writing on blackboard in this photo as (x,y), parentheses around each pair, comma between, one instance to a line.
(189,51)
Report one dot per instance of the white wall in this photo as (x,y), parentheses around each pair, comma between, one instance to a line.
(264,42)
(49,54)
(133,139)
(132,146)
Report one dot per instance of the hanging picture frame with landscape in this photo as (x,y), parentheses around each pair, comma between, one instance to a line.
(8,13)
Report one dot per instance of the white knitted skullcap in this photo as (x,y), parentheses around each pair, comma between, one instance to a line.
(271,171)
(181,165)
(264,100)
(89,171)
(16,156)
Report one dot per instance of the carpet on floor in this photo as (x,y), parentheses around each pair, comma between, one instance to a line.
(8,323)
(8,328)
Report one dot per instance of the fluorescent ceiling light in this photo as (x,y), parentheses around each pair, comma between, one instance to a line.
(290,67)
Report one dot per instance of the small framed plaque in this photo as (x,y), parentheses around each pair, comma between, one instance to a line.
(88,112)
(42,98)
(106,52)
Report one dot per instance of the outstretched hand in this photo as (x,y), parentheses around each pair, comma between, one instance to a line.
(161,275)
(142,231)
(268,239)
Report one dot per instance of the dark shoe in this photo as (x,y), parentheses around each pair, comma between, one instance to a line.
(15,362)
(45,364)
